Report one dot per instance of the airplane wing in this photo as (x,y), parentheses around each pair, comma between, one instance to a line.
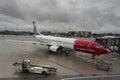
(32,42)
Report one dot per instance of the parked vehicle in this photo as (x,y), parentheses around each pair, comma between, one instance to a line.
(27,66)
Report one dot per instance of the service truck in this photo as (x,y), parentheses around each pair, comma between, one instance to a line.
(28,66)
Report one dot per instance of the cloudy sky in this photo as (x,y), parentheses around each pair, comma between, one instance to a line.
(61,15)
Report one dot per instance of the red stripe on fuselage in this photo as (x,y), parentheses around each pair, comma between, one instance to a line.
(83,46)
(89,47)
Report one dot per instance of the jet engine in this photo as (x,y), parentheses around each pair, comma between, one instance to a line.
(55,49)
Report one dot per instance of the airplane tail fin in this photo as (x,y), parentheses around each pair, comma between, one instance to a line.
(36,31)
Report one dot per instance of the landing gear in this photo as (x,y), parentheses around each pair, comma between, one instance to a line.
(44,73)
(93,56)
(59,50)
(50,51)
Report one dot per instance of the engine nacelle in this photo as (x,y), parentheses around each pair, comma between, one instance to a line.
(53,48)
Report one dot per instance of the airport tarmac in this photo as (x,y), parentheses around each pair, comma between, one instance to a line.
(70,65)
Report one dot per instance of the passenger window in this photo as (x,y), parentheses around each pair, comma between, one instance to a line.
(99,46)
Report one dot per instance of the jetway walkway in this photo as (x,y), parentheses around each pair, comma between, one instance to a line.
(113,43)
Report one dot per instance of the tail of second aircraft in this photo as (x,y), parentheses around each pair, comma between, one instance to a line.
(36,31)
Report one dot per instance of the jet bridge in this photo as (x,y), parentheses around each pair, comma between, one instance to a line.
(111,42)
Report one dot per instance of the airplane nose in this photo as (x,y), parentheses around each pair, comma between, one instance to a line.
(106,50)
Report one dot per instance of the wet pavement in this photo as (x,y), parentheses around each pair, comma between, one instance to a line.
(67,66)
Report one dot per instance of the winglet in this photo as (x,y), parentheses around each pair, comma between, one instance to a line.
(36,31)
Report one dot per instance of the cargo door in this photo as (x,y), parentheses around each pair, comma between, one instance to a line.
(89,46)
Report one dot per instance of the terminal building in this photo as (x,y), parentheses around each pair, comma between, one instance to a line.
(85,34)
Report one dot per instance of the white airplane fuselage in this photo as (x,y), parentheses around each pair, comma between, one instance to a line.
(57,41)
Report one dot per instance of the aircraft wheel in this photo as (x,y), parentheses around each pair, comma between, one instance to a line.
(50,51)
(44,73)
(59,50)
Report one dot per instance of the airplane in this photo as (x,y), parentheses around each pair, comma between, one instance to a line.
(56,44)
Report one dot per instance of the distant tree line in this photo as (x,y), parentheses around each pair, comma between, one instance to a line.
(63,34)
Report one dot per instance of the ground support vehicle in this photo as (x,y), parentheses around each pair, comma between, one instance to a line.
(104,65)
(27,66)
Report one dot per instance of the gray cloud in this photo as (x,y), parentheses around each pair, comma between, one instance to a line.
(94,15)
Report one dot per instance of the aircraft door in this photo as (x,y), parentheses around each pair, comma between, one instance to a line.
(89,46)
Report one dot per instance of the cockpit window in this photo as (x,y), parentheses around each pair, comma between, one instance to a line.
(99,46)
